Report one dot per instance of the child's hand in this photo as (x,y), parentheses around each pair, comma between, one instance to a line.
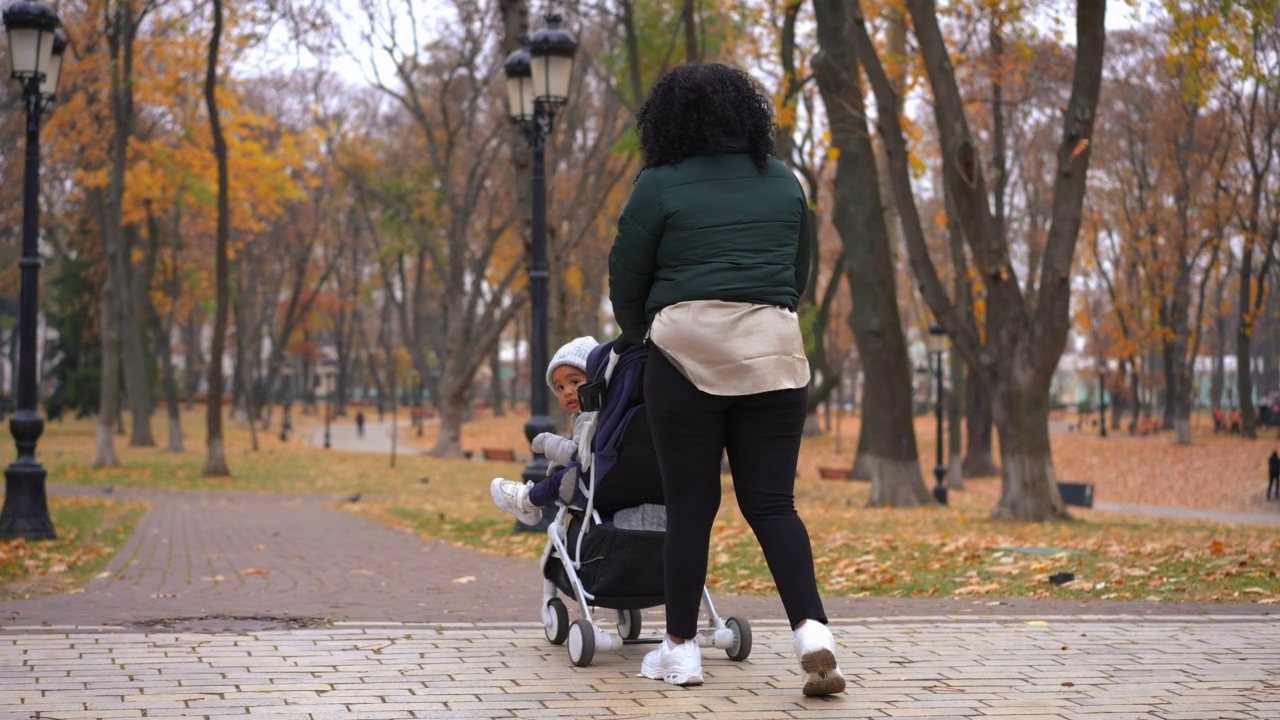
(559,450)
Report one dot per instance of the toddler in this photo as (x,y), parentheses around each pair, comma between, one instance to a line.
(566,371)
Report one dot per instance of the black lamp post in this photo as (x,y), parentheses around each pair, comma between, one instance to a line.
(537,86)
(328,405)
(937,344)
(1102,398)
(286,423)
(419,412)
(36,45)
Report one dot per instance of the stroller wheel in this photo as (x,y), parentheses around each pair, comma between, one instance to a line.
(741,647)
(555,621)
(629,624)
(582,642)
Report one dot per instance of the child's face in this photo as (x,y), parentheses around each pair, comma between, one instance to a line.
(565,380)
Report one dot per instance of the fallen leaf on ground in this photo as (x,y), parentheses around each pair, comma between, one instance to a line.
(977,589)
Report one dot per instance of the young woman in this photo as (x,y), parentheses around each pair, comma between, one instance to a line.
(710,260)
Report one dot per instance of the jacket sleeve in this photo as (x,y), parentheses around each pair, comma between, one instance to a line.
(804,245)
(560,482)
(634,256)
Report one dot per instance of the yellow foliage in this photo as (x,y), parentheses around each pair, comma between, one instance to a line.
(573,279)
(786,116)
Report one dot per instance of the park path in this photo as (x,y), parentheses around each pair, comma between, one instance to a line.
(284,606)
(377,437)
(223,556)
(1048,668)
(253,560)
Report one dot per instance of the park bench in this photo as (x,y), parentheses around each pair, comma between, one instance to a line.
(506,454)
(833,473)
(1075,493)
(1145,427)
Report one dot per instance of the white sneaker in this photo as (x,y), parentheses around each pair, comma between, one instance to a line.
(514,498)
(676,664)
(816,651)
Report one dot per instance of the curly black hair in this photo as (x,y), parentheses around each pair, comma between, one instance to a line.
(697,108)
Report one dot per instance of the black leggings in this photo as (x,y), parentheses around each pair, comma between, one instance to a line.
(761,434)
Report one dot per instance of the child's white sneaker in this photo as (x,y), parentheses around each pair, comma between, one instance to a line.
(816,651)
(676,664)
(514,498)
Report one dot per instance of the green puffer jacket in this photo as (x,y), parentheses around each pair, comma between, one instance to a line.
(711,228)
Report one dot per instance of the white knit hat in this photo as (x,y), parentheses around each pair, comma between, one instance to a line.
(572,353)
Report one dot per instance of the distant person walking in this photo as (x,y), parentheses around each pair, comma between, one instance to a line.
(359,424)
(1273,475)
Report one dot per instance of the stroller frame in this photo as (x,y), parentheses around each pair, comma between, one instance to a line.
(584,636)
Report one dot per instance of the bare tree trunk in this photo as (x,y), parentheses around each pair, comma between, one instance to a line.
(169,383)
(245,358)
(824,376)
(1217,376)
(1252,299)
(495,382)
(689,19)
(122,30)
(109,390)
(626,12)
(216,460)
(133,297)
(891,453)
(162,328)
(1028,486)
(1178,397)
(978,460)
(895,43)
(110,204)
(861,469)
(1119,401)
(193,351)
(1135,385)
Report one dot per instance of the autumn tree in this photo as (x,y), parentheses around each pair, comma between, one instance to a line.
(440,220)
(1025,333)
(216,453)
(1254,101)
(800,142)
(859,216)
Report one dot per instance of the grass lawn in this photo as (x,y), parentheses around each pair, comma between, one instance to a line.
(927,552)
(90,531)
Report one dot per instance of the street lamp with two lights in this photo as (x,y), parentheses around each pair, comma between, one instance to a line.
(36,47)
(538,77)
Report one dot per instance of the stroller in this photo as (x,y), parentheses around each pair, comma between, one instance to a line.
(604,548)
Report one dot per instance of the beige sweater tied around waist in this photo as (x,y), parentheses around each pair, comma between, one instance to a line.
(733,348)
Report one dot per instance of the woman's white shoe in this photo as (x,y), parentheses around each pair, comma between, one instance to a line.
(676,664)
(816,651)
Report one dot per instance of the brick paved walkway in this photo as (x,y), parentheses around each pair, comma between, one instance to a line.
(276,606)
(229,556)
(1049,669)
